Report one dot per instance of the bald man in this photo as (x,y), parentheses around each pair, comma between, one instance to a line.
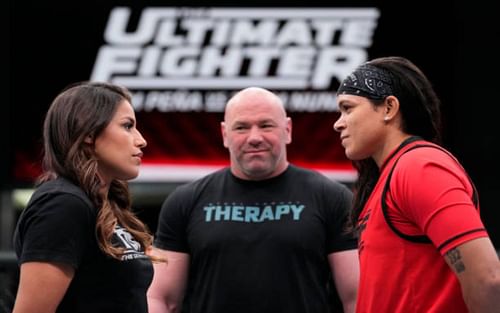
(260,236)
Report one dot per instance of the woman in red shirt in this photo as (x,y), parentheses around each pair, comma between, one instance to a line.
(422,244)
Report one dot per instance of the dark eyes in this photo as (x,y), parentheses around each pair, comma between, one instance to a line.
(345,108)
(128,126)
(245,127)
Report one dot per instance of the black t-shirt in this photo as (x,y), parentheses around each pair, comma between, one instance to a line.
(257,246)
(58,225)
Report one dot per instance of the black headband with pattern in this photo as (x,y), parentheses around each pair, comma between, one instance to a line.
(367,81)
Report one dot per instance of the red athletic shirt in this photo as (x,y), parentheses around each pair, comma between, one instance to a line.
(430,195)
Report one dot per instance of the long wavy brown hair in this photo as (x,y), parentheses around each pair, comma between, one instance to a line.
(81,110)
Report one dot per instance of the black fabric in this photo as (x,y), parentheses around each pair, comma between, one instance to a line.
(368,81)
(58,225)
(257,246)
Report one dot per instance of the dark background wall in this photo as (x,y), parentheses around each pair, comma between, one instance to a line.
(473,119)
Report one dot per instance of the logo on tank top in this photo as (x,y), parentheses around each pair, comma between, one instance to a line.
(132,248)
(362,221)
(256,213)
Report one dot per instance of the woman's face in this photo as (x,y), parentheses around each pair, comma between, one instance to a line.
(118,147)
(361,127)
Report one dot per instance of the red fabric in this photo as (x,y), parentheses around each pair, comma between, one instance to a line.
(433,198)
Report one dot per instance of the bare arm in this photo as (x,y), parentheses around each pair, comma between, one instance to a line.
(477,267)
(166,292)
(42,286)
(345,269)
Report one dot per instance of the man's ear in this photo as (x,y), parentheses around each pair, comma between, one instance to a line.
(224,133)
(289,130)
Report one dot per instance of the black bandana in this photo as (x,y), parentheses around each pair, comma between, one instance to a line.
(367,81)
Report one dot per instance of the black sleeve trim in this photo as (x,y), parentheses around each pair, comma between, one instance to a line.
(460,235)
(386,191)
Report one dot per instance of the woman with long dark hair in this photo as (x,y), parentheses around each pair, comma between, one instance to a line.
(79,245)
(422,244)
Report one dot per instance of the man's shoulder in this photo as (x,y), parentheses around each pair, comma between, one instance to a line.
(212,178)
(307,173)
(312,176)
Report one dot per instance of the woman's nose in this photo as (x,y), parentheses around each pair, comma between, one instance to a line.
(140,141)
(338,124)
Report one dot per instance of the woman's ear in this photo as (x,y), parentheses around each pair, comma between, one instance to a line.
(89,139)
(391,108)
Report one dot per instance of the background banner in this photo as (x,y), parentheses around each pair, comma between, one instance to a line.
(183,63)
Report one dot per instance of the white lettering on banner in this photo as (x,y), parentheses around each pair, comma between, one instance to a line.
(182,59)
